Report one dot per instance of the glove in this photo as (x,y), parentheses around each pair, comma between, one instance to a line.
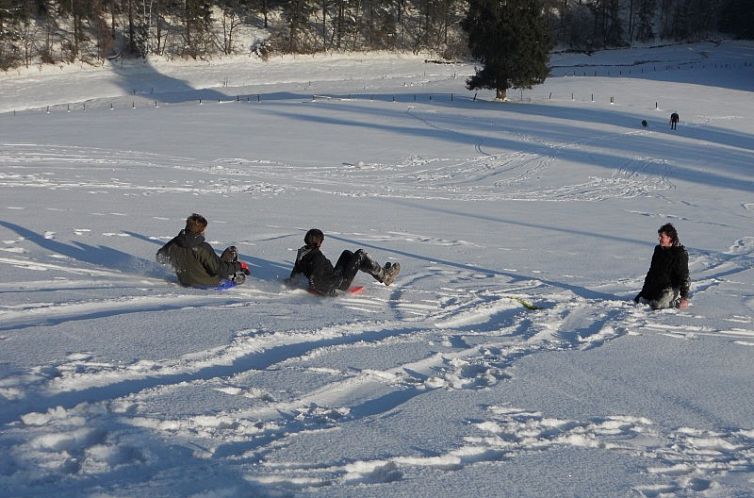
(244,268)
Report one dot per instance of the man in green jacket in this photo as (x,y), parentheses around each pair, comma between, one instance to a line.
(195,262)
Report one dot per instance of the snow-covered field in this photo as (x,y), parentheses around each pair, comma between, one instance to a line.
(115,381)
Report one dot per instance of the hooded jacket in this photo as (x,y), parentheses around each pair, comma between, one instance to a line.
(669,269)
(195,262)
(323,278)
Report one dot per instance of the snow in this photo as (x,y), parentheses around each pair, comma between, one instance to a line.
(115,381)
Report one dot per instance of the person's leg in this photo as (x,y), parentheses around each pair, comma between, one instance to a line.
(230,254)
(668,299)
(350,263)
(347,265)
(385,274)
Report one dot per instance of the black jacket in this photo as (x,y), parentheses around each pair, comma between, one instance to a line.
(669,268)
(323,278)
(195,262)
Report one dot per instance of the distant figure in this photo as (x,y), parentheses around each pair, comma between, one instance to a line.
(195,262)
(644,123)
(325,279)
(667,282)
(674,120)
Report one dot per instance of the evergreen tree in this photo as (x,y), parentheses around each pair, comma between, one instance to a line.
(512,40)
(296,14)
(645,14)
(738,18)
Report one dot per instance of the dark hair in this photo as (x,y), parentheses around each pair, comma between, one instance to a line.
(314,237)
(196,223)
(671,232)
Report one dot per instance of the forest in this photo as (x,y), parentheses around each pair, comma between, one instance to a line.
(92,31)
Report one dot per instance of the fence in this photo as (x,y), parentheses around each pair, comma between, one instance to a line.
(141,102)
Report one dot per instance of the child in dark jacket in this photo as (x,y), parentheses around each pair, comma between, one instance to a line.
(195,262)
(326,279)
(667,282)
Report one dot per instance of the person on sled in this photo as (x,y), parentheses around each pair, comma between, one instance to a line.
(324,278)
(195,262)
(667,282)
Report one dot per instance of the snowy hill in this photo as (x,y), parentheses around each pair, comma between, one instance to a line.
(116,381)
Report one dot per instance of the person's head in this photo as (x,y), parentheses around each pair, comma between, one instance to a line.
(314,237)
(668,235)
(196,223)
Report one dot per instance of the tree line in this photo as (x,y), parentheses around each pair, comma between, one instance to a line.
(53,31)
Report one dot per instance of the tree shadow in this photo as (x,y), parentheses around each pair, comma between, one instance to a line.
(582,292)
(587,113)
(717,64)
(142,78)
(97,255)
(737,162)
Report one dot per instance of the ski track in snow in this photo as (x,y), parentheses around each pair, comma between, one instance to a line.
(86,416)
(89,417)
(502,176)
(80,419)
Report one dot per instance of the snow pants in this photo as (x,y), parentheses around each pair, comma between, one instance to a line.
(669,298)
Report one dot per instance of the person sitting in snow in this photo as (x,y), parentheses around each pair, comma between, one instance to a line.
(667,282)
(325,279)
(195,262)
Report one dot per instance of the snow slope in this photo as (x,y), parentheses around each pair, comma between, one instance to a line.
(115,381)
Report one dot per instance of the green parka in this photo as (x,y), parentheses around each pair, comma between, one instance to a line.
(195,262)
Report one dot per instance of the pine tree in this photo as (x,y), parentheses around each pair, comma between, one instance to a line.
(738,18)
(512,40)
(645,13)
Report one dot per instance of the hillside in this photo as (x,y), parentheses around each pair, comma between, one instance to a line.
(116,381)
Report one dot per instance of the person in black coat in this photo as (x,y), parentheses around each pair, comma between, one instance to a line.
(326,279)
(674,118)
(195,262)
(667,282)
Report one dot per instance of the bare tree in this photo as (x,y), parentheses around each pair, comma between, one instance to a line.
(230,22)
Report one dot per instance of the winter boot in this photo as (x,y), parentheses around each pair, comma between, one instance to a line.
(389,272)
(238,278)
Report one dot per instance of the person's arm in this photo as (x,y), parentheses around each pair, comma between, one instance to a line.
(298,268)
(163,256)
(649,276)
(682,279)
(298,265)
(322,275)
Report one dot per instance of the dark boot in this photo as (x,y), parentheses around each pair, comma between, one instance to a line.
(238,278)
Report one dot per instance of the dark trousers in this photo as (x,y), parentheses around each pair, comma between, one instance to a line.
(349,263)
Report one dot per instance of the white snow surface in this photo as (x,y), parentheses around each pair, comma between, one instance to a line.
(117,382)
